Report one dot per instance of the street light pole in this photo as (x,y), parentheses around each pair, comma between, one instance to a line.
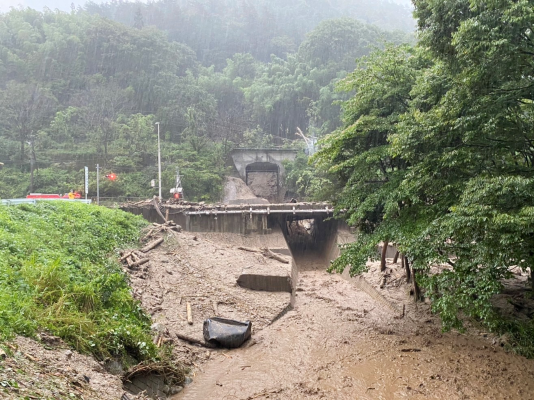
(159,164)
(97,184)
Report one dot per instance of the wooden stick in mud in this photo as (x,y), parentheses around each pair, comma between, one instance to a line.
(268,253)
(139,263)
(195,341)
(248,249)
(152,244)
(126,255)
(189,314)
(158,210)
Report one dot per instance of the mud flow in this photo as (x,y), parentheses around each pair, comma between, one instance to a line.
(340,342)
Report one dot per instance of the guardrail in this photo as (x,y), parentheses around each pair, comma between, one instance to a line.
(14,202)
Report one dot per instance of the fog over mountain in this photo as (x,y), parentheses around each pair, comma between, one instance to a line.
(66,5)
(63,5)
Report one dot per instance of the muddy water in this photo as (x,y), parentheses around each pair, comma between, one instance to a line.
(338,344)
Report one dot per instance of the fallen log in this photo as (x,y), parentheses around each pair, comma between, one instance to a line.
(139,263)
(249,249)
(130,261)
(195,341)
(151,245)
(269,254)
(126,255)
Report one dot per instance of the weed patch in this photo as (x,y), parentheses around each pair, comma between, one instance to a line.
(58,273)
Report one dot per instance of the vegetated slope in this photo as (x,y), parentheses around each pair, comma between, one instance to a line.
(78,90)
(58,274)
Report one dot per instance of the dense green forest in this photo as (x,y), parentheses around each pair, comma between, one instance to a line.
(436,154)
(80,89)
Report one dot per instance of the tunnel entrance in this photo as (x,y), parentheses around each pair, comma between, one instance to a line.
(263,178)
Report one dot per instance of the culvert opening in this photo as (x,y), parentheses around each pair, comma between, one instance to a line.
(311,241)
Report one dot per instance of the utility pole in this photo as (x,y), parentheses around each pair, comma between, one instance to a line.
(32,163)
(159,164)
(97,184)
(86,186)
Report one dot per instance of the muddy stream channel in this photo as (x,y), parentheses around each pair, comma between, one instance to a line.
(337,342)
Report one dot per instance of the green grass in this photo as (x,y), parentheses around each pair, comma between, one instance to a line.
(58,272)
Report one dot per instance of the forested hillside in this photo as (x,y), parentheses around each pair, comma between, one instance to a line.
(436,155)
(217,29)
(79,89)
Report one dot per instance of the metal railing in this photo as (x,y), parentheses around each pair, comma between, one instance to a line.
(15,202)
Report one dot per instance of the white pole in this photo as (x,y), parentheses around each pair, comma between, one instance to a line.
(159,164)
(86,187)
(97,184)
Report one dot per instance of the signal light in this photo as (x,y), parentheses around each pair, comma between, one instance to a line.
(111,176)
(176,195)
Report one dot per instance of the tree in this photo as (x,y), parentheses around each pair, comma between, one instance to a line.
(26,108)
(359,155)
(450,153)
(138,19)
(101,105)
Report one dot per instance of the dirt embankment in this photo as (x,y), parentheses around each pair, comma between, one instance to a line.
(338,342)
(236,192)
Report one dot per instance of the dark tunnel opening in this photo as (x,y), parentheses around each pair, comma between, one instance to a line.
(311,241)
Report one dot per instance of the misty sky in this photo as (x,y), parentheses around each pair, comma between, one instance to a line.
(64,5)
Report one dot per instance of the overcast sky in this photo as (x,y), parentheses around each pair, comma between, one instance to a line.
(63,5)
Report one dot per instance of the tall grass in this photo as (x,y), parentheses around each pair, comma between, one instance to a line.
(58,273)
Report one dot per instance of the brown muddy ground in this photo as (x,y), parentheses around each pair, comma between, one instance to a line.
(338,342)
(50,370)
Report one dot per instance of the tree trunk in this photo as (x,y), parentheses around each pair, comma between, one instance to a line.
(416,290)
(396,258)
(406,266)
(22,152)
(383,258)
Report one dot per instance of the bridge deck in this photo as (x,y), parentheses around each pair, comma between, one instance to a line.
(188,208)
(265,209)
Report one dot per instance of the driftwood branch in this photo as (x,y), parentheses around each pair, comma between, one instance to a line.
(249,249)
(126,255)
(152,244)
(139,263)
(195,341)
(158,210)
(266,253)
(269,254)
